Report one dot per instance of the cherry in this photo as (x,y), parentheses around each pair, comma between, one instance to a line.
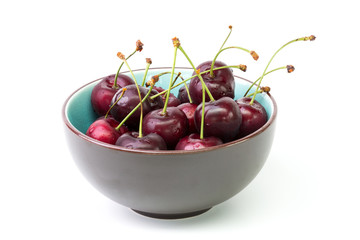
(222,119)
(173,101)
(171,126)
(131,140)
(222,84)
(254,116)
(104,91)
(189,110)
(129,101)
(193,142)
(183,94)
(103,129)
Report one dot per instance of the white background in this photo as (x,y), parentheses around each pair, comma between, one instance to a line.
(308,188)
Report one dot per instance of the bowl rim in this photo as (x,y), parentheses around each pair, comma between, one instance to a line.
(163,152)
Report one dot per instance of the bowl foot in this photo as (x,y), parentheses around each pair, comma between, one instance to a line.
(171,215)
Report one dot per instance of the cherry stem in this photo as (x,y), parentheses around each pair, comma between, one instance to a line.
(260,78)
(311,38)
(230,27)
(176,78)
(170,82)
(184,81)
(117,100)
(141,106)
(145,74)
(135,108)
(198,74)
(213,62)
(115,86)
(266,89)
(173,82)
(188,92)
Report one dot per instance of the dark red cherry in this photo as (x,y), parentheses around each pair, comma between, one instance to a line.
(103,92)
(189,110)
(183,95)
(193,142)
(104,130)
(222,84)
(173,101)
(222,119)
(253,116)
(130,100)
(151,141)
(170,126)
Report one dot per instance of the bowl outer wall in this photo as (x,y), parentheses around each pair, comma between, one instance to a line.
(169,183)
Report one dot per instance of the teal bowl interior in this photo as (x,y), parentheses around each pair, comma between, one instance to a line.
(80,113)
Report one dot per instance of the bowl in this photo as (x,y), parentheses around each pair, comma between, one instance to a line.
(166,184)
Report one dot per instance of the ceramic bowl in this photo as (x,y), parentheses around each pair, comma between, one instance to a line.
(166,184)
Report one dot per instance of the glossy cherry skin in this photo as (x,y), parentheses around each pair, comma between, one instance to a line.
(193,142)
(151,141)
(253,116)
(183,95)
(103,92)
(104,130)
(172,102)
(189,110)
(222,119)
(171,126)
(130,100)
(221,85)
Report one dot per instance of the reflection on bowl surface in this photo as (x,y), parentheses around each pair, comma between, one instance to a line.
(166,184)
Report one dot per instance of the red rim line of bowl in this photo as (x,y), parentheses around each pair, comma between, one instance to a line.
(164,152)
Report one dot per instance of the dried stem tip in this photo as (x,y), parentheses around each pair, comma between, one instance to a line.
(230,26)
(242,67)
(265,89)
(290,68)
(176,42)
(152,81)
(121,56)
(139,46)
(311,38)
(148,60)
(254,55)
(198,71)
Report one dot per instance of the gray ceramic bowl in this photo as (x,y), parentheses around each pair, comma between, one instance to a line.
(166,184)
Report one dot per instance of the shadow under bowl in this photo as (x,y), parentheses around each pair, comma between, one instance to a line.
(166,184)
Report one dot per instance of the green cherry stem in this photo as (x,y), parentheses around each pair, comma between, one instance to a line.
(122,57)
(139,48)
(257,80)
(311,38)
(230,27)
(118,71)
(188,92)
(261,90)
(176,78)
(197,74)
(171,80)
(216,56)
(148,63)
